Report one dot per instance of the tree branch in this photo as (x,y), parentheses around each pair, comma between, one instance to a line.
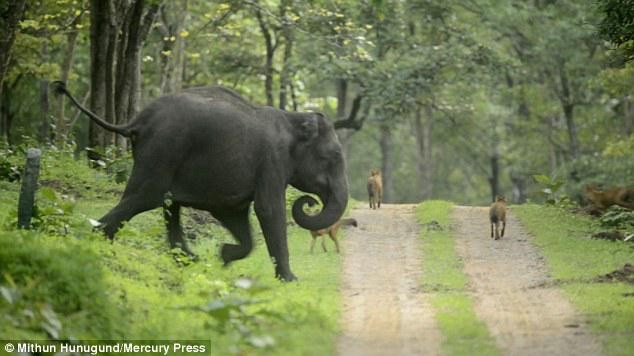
(351,122)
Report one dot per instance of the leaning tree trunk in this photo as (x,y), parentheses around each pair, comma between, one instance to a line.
(386,163)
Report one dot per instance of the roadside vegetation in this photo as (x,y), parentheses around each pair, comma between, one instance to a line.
(590,271)
(62,281)
(463,333)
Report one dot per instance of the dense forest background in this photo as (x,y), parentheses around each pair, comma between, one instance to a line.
(451,99)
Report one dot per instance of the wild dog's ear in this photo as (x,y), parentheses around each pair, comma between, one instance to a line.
(305,125)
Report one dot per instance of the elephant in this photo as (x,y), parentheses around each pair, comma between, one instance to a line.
(213,150)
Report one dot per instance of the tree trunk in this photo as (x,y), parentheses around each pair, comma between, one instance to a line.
(99,39)
(10,16)
(270,53)
(294,97)
(552,148)
(572,130)
(628,116)
(61,130)
(494,179)
(519,188)
(172,18)
(568,107)
(287,69)
(119,16)
(285,75)
(423,131)
(44,130)
(5,114)
(135,30)
(342,98)
(386,163)
(342,103)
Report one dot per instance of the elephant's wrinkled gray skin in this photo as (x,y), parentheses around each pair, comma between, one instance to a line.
(219,153)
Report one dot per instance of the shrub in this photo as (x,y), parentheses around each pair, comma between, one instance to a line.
(53,287)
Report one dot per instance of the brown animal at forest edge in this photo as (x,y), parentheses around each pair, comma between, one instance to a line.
(604,199)
(332,232)
(375,189)
(497,215)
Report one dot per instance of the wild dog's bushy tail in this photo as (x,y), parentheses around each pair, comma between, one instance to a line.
(60,88)
(347,222)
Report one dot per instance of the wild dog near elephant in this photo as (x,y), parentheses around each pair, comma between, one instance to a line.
(602,200)
(219,153)
(332,232)
(497,215)
(375,189)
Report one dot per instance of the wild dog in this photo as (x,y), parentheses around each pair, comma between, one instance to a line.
(375,189)
(332,232)
(497,215)
(604,199)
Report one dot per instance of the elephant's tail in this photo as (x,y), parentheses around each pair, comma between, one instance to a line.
(60,88)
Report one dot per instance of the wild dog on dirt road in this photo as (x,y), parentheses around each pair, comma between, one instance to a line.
(497,215)
(604,199)
(375,189)
(332,232)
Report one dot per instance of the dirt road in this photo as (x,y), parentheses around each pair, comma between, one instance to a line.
(386,313)
(525,315)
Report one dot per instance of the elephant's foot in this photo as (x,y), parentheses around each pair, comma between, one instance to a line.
(284,274)
(232,252)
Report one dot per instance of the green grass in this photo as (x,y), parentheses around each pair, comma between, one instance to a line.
(575,260)
(463,333)
(136,288)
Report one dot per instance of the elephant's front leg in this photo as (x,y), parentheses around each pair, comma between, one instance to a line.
(237,223)
(270,209)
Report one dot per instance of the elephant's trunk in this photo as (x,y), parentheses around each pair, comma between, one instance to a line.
(334,206)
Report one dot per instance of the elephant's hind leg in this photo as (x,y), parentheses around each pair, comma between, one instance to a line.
(172,215)
(141,194)
(238,224)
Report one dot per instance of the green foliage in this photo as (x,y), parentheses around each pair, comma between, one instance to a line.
(114,161)
(605,171)
(9,170)
(232,312)
(618,218)
(616,25)
(52,287)
(620,148)
(52,212)
(550,187)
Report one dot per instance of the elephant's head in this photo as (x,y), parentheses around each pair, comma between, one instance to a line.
(319,168)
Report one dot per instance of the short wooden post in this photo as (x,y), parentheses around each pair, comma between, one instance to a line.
(26,201)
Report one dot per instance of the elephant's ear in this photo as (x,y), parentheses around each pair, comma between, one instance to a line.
(306,125)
